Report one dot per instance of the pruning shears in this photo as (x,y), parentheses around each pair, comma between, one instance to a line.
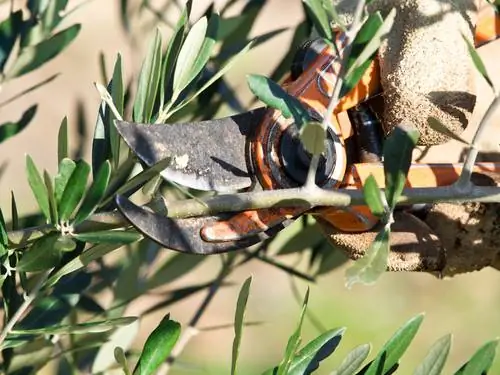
(261,149)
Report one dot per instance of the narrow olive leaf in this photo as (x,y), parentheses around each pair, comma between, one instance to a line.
(10,129)
(14,212)
(95,193)
(398,149)
(216,76)
(74,190)
(187,55)
(374,196)
(54,218)
(62,140)
(66,169)
(10,28)
(32,57)
(118,96)
(293,341)
(438,126)
(158,346)
(79,328)
(206,48)
(307,360)
(313,136)
(135,183)
(435,360)
(111,236)
(41,256)
(276,97)
(239,317)
(365,46)
(149,79)
(53,14)
(319,17)
(394,349)
(65,244)
(478,62)
(353,360)
(38,187)
(481,361)
(373,264)
(4,239)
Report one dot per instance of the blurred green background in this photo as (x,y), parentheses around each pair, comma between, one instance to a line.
(467,306)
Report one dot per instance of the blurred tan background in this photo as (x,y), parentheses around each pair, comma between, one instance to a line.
(467,306)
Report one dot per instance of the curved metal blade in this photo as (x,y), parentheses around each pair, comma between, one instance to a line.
(206,155)
(183,235)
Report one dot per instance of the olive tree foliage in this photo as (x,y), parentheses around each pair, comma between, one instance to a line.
(54,263)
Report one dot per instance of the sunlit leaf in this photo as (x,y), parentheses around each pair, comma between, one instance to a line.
(32,57)
(52,199)
(374,196)
(353,360)
(38,187)
(313,136)
(74,190)
(239,317)
(435,360)
(66,169)
(320,18)
(62,140)
(111,236)
(118,96)
(478,62)
(149,79)
(10,129)
(481,361)
(158,346)
(42,255)
(373,264)
(95,193)
(394,349)
(398,149)
(276,97)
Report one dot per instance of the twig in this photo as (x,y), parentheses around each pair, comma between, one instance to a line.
(24,306)
(464,182)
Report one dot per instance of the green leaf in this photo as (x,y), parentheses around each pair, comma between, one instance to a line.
(374,196)
(4,239)
(10,129)
(78,329)
(9,31)
(52,199)
(74,190)
(111,236)
(15,213)
(149,79)
(65,244)
(187,58)
(53,14)
(158,346)
(364,48)
(66,169)
(62,141)
(478,62)
(394,349)
(239,317)
(481,361)
(307,360)
(438,126)
(373,264)
(293,341)
(398,149)
(42,255)
(276,97)
(33,57)
(121,359)
(38,187)
(313,136)
(353,360)
(95,193)
(320,18)
(435,360)
(118,96)
(216,76)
